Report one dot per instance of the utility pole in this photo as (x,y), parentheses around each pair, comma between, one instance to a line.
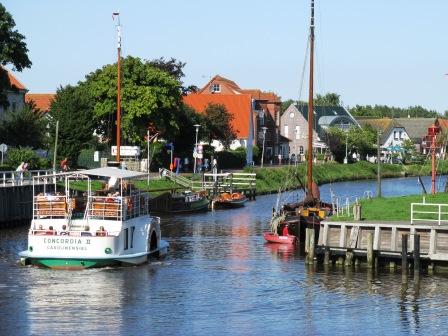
(378,183)
(147,159)
(118,130)
(55,146)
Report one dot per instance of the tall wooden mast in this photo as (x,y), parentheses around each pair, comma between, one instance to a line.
(118,86)
(311,106)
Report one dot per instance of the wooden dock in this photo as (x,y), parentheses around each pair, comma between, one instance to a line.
(215,184)
(339,241)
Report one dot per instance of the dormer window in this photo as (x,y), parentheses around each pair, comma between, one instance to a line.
(215,88)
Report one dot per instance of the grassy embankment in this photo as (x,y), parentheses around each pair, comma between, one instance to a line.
(270,179)
(394,208)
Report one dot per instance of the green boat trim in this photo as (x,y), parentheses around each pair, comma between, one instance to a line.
(69,264)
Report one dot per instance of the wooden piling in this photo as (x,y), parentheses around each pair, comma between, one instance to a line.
(349,258)
(416,257)
(327,255)
(307,240)
(370,250)
(404,257)
(312,243)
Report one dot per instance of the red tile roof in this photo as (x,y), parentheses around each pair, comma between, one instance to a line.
(260,95)
(42,101)
(14,81)
(443,123)
(230,84)
(238,105)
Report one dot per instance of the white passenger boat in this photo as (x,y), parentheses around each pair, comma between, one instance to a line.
(73,229)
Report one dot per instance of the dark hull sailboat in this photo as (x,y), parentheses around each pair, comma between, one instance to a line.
(311,211)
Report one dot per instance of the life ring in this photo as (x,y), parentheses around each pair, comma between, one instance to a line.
(235,196)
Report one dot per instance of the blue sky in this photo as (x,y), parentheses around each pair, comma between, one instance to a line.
(370,52)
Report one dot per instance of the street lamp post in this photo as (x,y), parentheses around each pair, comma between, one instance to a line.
(264,138)
(346,148)
(196,147)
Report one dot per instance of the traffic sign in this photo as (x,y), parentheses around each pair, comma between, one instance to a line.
(3,148)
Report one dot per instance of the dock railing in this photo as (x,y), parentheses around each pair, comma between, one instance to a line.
(429,212)
(223,182)
(226,182)
(19,178)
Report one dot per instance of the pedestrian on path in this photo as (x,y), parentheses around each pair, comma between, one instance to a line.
(64,165)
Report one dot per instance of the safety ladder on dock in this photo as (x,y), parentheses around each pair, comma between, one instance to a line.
(183,181)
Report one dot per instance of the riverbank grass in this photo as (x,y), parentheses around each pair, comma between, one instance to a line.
(393,208)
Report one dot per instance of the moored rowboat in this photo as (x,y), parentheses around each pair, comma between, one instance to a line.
(275,238)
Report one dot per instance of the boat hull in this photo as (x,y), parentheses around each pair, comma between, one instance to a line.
(275,238)
(69,264)
(231,203)
(83,263)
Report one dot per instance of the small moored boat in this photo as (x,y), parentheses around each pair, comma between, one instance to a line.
(271,237)
(230,200)
(178,203)
(74,230)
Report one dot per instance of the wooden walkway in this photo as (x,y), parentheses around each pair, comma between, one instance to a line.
(341,238)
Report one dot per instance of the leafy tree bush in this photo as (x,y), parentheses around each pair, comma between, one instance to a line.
(23,128)
(23,154)
(219,124)
(13,51)
(72,107)
(235,159)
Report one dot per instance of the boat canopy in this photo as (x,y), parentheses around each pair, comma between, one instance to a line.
(112,172)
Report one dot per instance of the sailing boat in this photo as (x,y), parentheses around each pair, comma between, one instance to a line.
(289,224)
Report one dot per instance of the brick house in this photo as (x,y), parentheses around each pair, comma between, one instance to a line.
(262,107)
(42,101)
(294,126)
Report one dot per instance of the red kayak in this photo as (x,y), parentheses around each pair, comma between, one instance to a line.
(275,238)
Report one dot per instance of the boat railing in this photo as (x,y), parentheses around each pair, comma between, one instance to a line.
(105,207)
(118,207)
(429,213)
(50,206)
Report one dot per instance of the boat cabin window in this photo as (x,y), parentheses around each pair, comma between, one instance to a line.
(126,238)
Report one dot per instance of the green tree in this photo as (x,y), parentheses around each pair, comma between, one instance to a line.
(13,51)
(23,128)
(148,95)
(175,69)
(360,140)
(329,99)
(383,111)
(72,107)
(185,140)
(409,151)
(23,154)
(219,124)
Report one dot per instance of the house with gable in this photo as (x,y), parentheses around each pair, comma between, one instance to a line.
(294,126)
(41,101)
(15,95)
(393,132)
(243,104)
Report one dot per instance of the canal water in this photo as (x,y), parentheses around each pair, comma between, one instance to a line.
(220,278)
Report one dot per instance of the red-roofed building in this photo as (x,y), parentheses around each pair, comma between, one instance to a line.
(15,95)
(220,90)
(42,101)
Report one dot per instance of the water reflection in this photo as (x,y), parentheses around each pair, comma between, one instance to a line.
(219,277)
